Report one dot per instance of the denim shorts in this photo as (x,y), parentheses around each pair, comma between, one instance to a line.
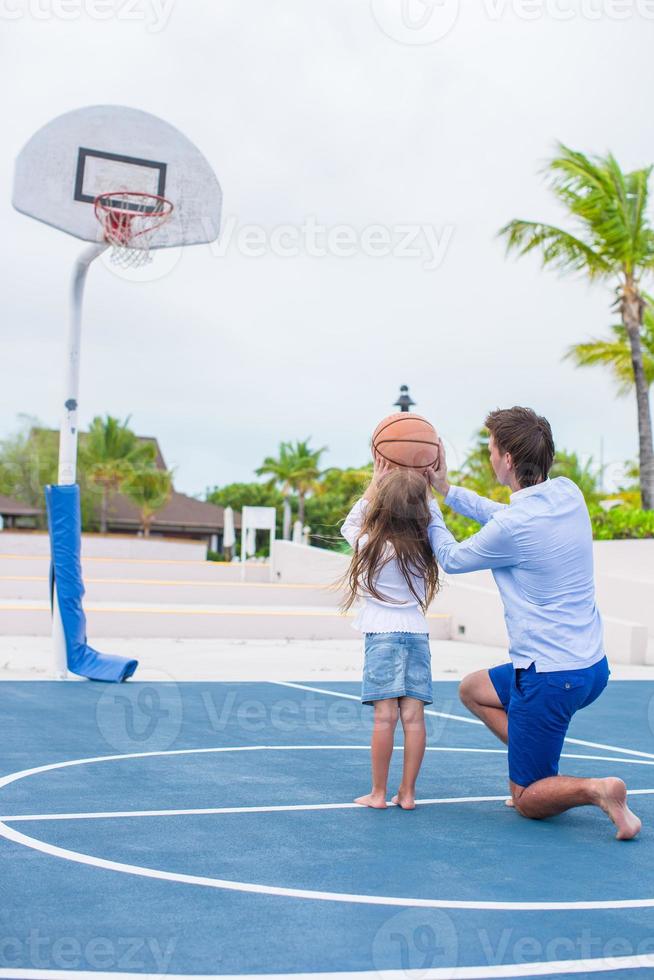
(540,708)
(396,665)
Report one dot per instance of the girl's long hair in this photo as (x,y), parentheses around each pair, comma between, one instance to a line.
(396,521)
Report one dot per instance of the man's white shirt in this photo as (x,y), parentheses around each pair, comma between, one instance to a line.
(540,551)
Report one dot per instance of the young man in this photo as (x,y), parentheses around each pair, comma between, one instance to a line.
(540,550)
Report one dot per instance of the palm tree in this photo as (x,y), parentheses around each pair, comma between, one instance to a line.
(614,242)
(149,490)
(109,454)
(583,474)
(615,354)
(307,472)
(282,470)
(296,469)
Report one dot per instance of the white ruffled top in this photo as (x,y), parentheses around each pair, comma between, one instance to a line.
(403,614)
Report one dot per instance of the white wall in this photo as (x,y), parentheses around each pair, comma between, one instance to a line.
(625,590)
(301,563)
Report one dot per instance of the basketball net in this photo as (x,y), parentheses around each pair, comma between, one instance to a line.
(129,219)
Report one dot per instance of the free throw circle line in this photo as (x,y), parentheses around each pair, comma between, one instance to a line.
(550,968)
(466,720)
(219,810)
(9,833)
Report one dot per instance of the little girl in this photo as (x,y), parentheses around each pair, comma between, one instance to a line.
(394,570)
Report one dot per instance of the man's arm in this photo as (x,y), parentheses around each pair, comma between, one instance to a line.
(463,501)
(492,547)
(471,504)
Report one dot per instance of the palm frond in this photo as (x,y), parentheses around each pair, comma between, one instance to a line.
(615,354)
(557,247)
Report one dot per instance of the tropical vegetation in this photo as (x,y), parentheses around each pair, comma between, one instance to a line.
(295,469)
(110,455)
(149,490)
(28,460)
(610,239)
(111,458)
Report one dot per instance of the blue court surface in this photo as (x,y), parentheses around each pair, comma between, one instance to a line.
(207,829)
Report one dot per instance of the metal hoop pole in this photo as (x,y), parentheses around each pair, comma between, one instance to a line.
(68,431)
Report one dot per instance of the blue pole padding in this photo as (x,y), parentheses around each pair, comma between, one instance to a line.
(65,526)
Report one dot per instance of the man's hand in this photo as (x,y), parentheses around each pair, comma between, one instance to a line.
(382,467)
(437,474)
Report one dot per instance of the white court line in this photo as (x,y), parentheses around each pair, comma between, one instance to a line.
(218,810)
(547,969)
(308,893)
(469,721)
(354,697)
(9,833)
(11,818)
(21,774)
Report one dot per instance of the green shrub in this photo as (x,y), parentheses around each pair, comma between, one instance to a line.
(621,522)
(461,527)
(215,556)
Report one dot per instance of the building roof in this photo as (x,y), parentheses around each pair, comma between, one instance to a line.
(180,513)
(10,507)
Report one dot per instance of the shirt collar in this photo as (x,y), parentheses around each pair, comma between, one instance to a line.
(527,491)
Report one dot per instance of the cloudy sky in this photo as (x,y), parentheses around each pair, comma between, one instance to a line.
(368,153)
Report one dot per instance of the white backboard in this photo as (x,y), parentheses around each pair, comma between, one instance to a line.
(99,149)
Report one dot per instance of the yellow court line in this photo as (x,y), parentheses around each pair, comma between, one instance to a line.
(170,581)
(146,561)
(198,612)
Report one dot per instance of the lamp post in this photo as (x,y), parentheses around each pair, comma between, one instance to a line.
(405,401)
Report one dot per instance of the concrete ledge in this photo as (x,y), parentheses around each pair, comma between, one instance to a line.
(309,662)
(189,622)
(476,609)
(106,546)
(625,641)
(306,564)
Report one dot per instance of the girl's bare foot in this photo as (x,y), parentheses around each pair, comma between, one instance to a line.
(612,798)
(406,801)
(375,800)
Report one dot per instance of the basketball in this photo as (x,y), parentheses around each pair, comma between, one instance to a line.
(406,439)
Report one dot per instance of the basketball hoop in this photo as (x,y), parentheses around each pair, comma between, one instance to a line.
(129,219)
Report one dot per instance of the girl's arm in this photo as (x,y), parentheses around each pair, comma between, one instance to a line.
(351,527)
(381,468)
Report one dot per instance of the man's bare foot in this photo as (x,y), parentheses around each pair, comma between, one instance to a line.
(405,801)
(375,800)
(612,798)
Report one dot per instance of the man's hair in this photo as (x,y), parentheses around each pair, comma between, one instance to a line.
(528,437)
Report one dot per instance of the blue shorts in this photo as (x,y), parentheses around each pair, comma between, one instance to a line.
(540,708)
(396,665)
